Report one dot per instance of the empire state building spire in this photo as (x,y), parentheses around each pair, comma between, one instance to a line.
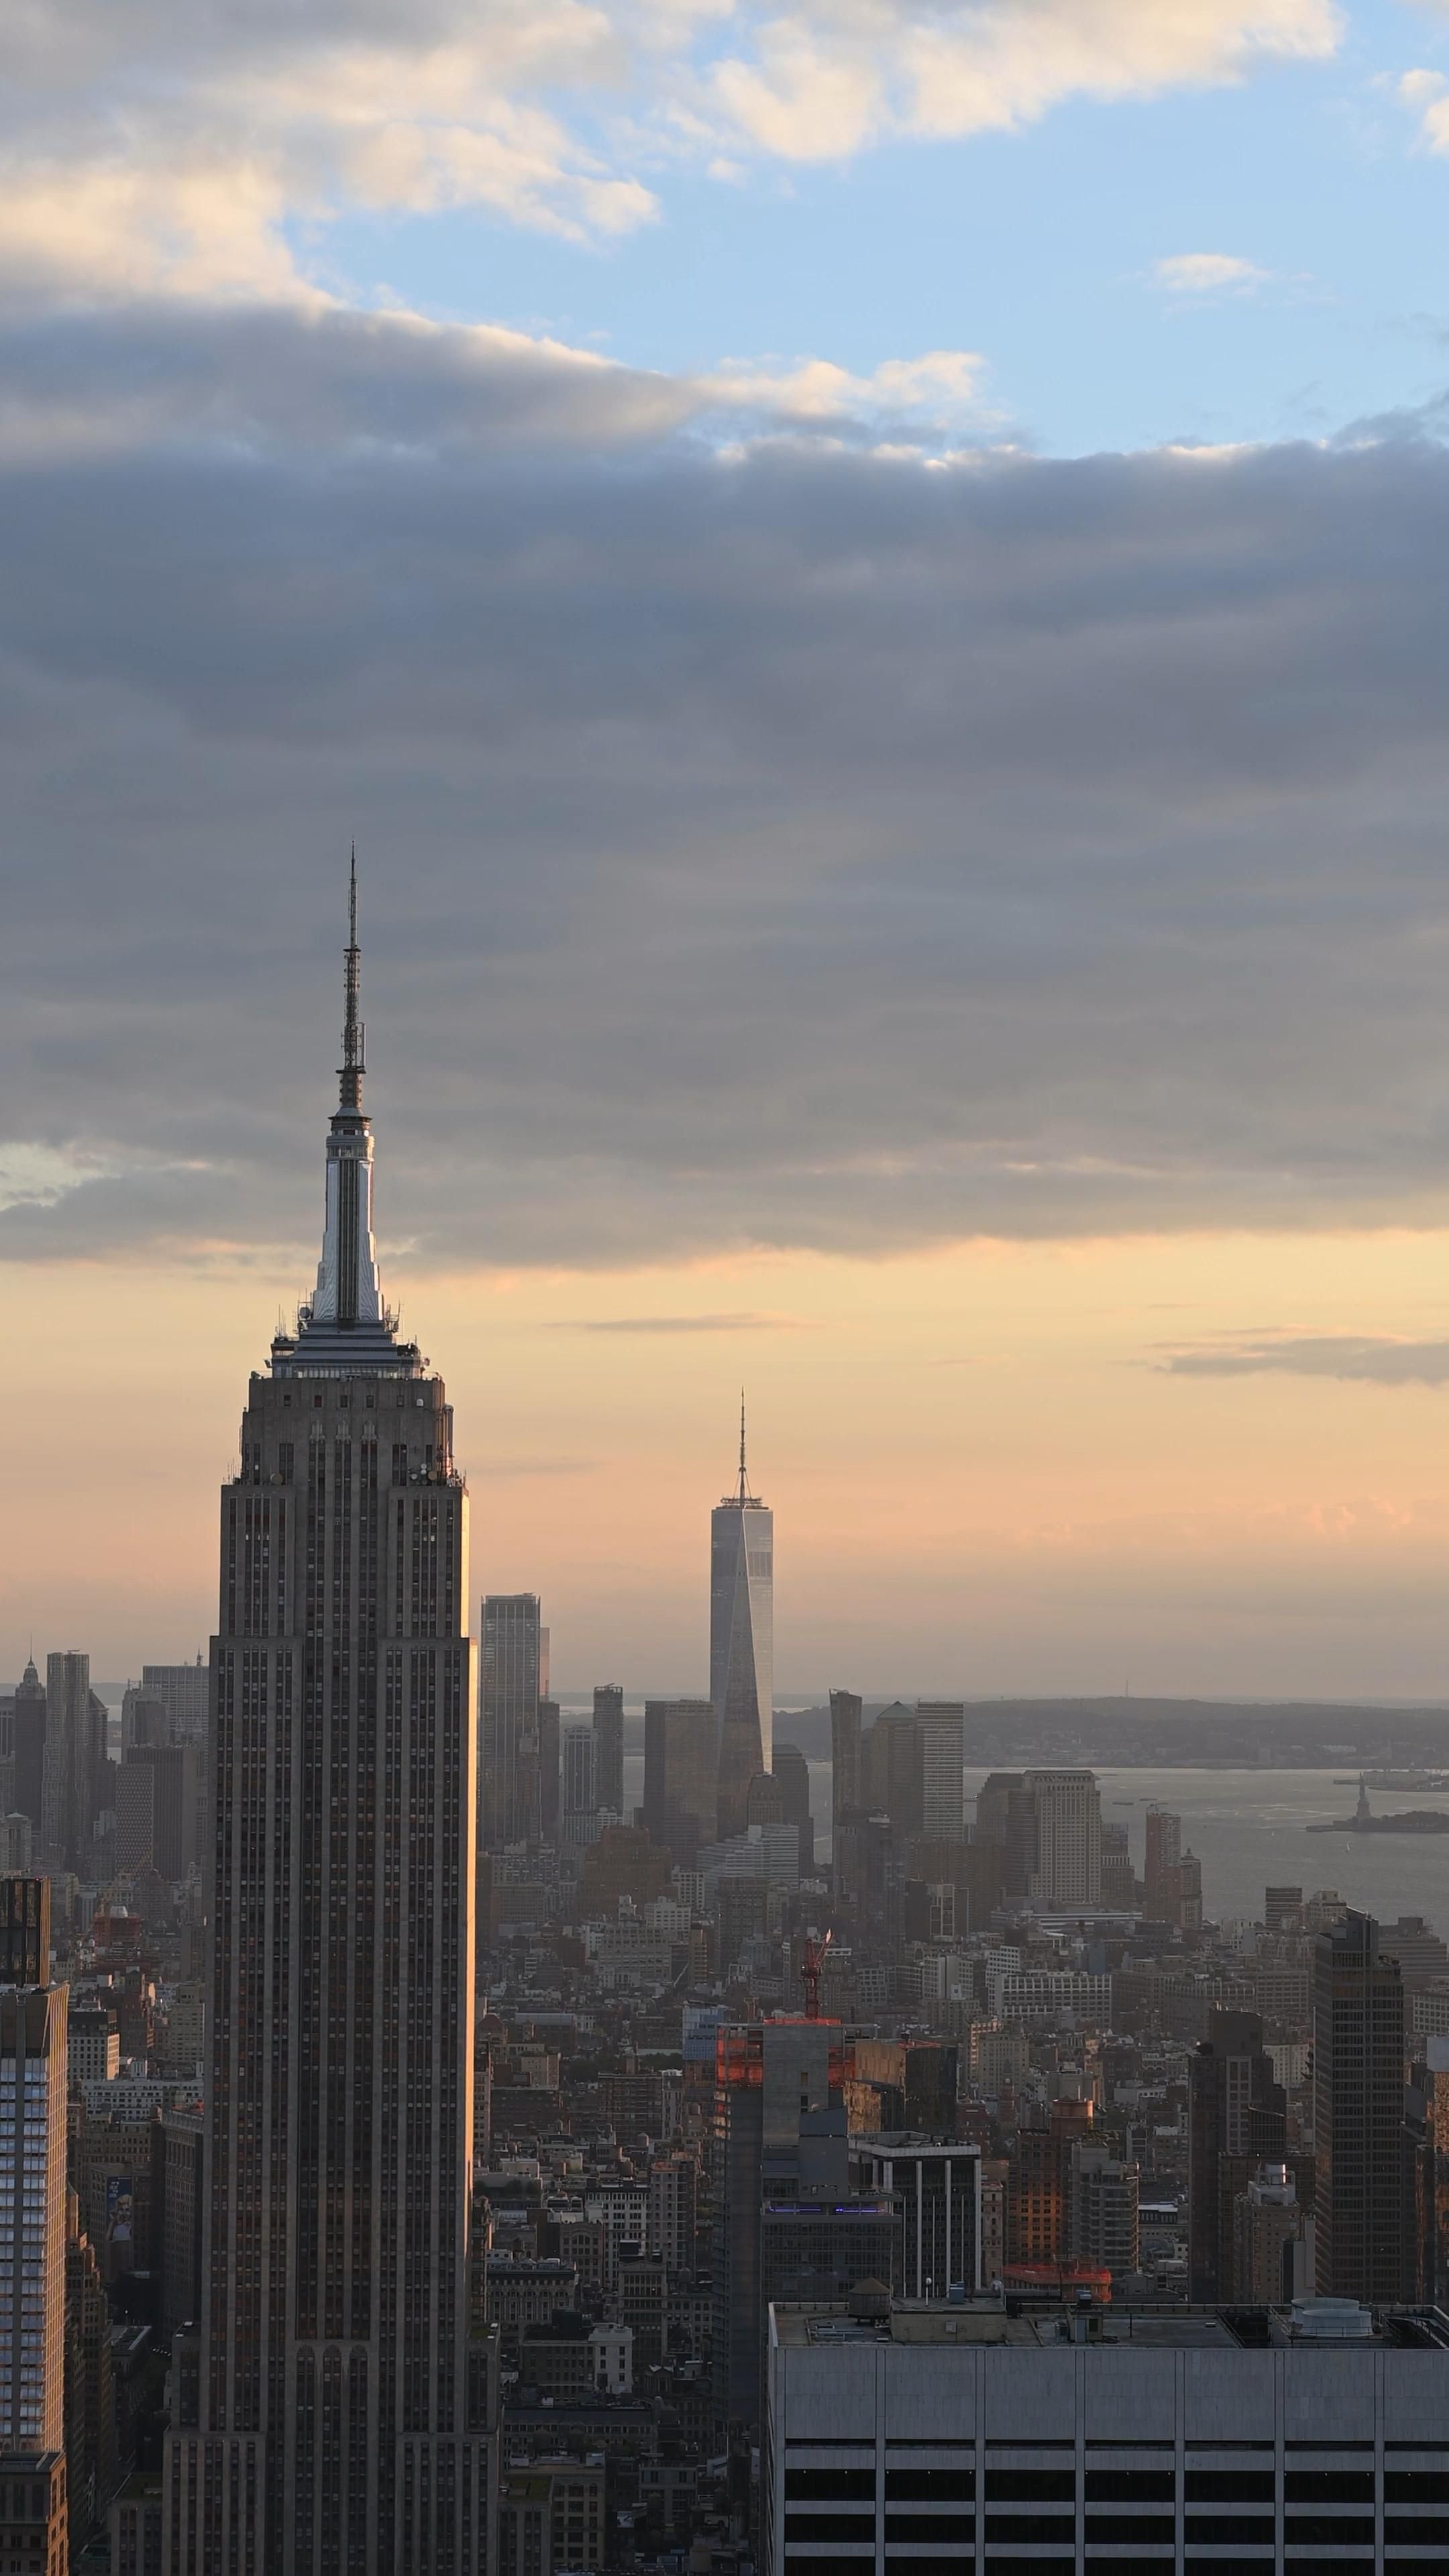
(348,1298)
(352,1067)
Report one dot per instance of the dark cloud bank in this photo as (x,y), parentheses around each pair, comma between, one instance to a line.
(798,844)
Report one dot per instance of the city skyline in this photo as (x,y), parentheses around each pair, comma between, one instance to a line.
(850,595)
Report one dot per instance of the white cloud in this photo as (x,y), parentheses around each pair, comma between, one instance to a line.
(805,95)
(120,228)
(823,79)
(1426,95)
(171,165)
(1208,272)
(143,150)
(940,388)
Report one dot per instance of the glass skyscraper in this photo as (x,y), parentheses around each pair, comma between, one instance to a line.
(741,1642)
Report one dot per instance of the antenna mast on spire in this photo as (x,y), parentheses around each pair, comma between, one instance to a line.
(353,1066)
(744,1488)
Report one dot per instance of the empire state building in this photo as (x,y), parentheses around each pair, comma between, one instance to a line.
(331,2417)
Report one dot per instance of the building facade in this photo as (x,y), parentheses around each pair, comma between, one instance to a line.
(17,1844)
(34,2427)
(178,2200)
(673,2195)
(156,1811)
(1237,2115)
(33,2086)
(1273,2238)
(578,1764)
(552,2517)
(845,1724)
(942,1725)
(24,1930)
(27,1738)
(609,1747)
(331,2418)
(34,2517)
(681,1749)
(965,2438)
(138,2526)
(768,2077)
(76,1780)
(792,1771)
(183,1692)
(1358,2113)
(893,1771)
(1163,1852)
(936,2187)
(90,2405)
(1067,1811)
(1102,2196)
(512,1682)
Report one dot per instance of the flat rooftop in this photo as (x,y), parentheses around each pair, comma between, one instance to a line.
(1318,2324)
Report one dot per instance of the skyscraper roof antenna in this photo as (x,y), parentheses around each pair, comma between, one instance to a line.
(353,1066)
(744,1488)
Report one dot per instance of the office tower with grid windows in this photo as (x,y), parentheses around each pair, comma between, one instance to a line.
(331,2417)
(24,1931)
(579,1768)
(512,1685)
(34,2501)
(681,1741)
(1358,2113)
(32,2217)
(156,1811)
(27,1745)
(935,2183)
(845,1722)
(1163,1853)
(548,1776)
(181,1691)
(609,1747)
(793,1773)
(1067,1810)
(770,2079)
(741,1642)
(78,1773)
(942,1726)
(1237,2122)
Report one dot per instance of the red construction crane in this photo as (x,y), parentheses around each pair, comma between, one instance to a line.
(810,1967)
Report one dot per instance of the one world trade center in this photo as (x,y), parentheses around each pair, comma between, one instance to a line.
(741,1642)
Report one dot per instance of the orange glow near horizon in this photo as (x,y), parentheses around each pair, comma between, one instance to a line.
(985,1480)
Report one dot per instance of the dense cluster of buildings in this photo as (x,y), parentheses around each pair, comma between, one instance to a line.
(434,2142)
